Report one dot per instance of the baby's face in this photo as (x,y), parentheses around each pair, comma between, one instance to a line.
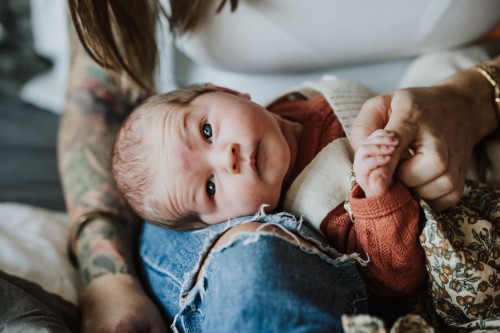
(221,157)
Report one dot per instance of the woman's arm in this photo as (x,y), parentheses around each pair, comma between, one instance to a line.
(441,124)
(112,298)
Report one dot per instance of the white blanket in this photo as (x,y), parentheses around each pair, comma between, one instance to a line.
(33,245)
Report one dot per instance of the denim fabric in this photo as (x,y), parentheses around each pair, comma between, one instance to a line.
(259,282)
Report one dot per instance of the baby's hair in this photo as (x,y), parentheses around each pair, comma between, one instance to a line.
(133,166)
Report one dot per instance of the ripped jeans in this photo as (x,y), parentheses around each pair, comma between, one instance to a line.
(259,282)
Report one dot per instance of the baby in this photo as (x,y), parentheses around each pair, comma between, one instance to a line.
(202,155)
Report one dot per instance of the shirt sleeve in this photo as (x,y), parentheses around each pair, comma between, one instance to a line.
(386,229)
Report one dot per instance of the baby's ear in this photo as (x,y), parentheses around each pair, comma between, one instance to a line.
(229,91)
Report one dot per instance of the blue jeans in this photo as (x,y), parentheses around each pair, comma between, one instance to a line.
(259,282)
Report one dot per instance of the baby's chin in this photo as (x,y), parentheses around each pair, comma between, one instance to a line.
(262,209)
(258,210)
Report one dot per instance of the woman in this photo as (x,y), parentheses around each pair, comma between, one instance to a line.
(250,37)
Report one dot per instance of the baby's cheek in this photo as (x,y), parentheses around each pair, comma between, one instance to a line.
(257,198)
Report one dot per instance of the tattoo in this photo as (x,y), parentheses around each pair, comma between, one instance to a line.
(101,244)
(96,107)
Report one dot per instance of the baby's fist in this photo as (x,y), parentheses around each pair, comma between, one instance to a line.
(371,162)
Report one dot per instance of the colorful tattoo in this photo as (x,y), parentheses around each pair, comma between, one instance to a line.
(101,248)
(96,107)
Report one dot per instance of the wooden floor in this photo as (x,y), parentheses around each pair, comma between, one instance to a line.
(28,162)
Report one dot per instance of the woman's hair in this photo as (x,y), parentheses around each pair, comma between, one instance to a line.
(133,164)
(120,35)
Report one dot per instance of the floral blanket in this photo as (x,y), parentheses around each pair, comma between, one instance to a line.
(462,247)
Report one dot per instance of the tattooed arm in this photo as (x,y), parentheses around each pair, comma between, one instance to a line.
(112,299)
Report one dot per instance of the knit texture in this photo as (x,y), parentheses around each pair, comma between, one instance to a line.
(385,228)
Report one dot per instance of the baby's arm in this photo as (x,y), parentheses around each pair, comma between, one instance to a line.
(371,162)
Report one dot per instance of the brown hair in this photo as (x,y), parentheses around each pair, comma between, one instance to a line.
(134,170)
(120,35)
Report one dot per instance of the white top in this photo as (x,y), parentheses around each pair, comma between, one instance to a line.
(350,38)
(272,37)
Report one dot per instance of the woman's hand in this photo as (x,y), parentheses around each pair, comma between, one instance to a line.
(117,303)
(440,124)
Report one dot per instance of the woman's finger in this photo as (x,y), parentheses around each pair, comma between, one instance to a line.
(446,189)
(381,133)
(451,198)
(405,129)
(429,162)
(373,116)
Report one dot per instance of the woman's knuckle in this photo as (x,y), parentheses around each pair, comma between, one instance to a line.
(403,99)
(406,102)
(446,184)
(372,102)
(454,197)
(438,163)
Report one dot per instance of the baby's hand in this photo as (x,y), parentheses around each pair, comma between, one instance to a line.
(371,162)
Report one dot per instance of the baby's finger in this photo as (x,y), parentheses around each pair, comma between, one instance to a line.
(379,181)
(382,140)
(368,164)
(381,132)
(377,150)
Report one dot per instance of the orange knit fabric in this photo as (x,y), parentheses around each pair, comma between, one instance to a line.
(386,227)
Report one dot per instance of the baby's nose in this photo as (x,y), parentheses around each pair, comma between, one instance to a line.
(232,153)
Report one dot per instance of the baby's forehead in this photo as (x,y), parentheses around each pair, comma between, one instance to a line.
(160,126)
(151,117)
(160,109)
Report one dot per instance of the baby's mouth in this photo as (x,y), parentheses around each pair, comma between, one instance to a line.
(254,161)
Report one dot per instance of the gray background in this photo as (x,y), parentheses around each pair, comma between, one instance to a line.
(28,164)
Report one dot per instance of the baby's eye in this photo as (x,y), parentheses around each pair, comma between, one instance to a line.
(210,187)
(207,132)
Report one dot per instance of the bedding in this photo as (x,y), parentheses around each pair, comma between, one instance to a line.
(33,226)
(33,246)
(26,307)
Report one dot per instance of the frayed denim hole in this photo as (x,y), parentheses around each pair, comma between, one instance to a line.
(213,232)
(296,228)
(250,237)
(191,307)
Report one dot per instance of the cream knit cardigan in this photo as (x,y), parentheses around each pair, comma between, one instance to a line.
(324,183)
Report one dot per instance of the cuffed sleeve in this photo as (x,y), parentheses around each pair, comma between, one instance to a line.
(386,228)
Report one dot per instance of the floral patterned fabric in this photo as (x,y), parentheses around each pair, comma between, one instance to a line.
(368,324)
(462,247)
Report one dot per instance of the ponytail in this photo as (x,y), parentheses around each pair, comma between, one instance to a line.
(120,35)
(185,14)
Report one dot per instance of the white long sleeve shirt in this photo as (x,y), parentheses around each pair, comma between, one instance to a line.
(287,41)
